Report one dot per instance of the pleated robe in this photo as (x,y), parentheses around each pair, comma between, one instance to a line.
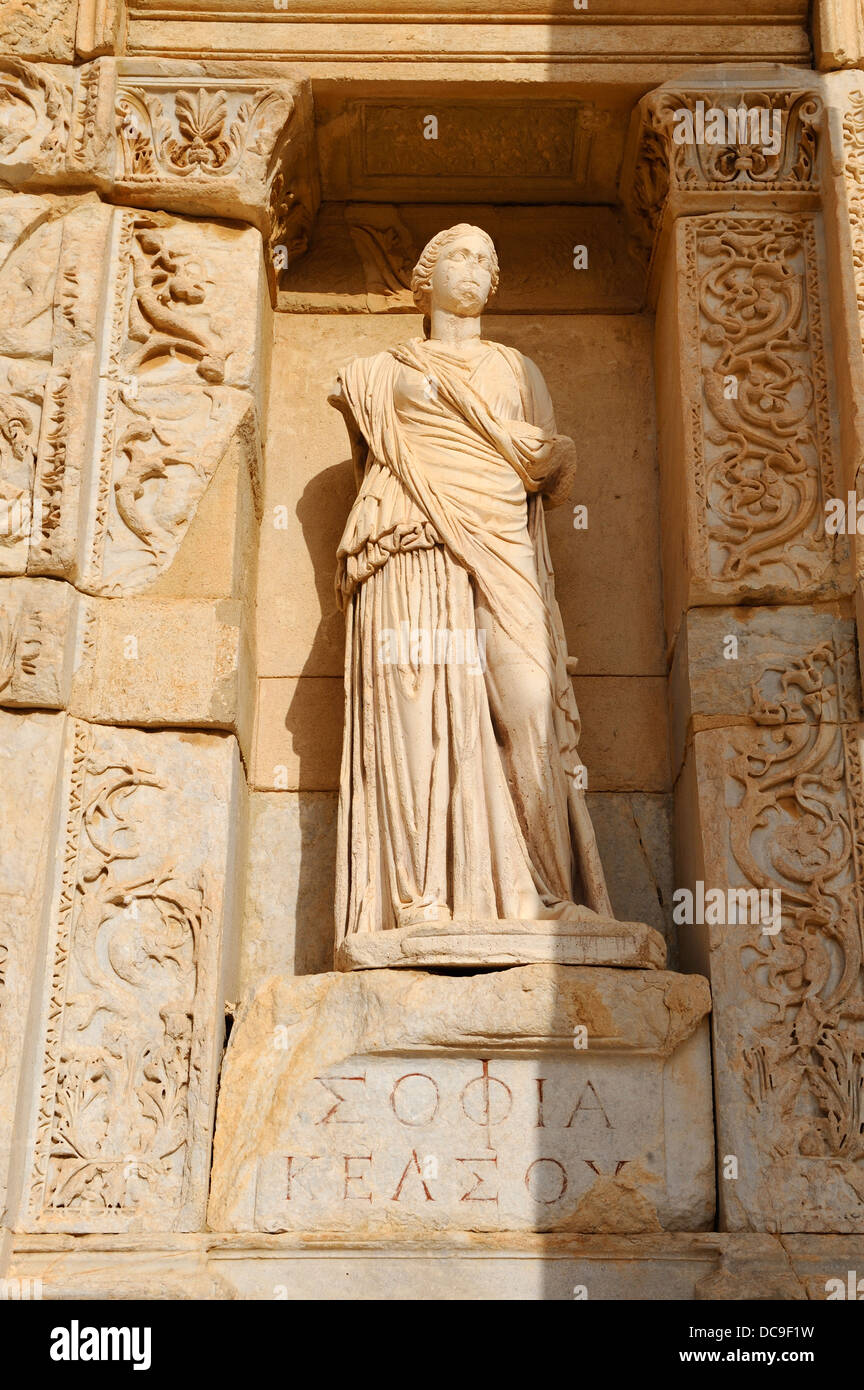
(460,791)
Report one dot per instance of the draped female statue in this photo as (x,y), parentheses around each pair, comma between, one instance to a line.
(462,803)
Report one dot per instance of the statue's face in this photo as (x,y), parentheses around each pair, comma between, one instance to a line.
(462,277)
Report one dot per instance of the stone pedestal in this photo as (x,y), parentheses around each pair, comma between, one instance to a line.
(541,1098)
(593,940)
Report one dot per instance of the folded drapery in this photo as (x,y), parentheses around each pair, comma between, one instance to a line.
(456,452)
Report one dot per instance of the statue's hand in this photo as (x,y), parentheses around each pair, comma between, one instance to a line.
(562,473)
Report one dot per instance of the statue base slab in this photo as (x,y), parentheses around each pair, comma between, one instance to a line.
(379,1103)
(593,940)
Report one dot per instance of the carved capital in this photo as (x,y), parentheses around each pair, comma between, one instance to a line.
(167,136)
(213,145)
(714,147)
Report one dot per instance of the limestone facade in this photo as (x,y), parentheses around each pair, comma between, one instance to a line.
(190,248)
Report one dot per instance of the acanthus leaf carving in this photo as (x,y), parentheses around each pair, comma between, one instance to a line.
(192,132)
(666,167)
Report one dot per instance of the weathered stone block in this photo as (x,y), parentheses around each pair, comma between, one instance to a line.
(30,760)
(288,922)
(634,837)
(775,808)
(539,1098)
(37,642)
(466,1266)
(44,31)
(152,661)
(116,1125)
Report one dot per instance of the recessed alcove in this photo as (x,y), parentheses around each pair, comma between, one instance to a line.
(571,297)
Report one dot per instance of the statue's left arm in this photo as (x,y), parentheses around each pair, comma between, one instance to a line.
(540,412)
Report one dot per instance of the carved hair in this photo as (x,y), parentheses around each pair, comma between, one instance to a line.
(421,279)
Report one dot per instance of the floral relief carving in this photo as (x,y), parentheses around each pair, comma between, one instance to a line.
(115,414)
(797,827)
(761,444)
(853,149)
(153,467)
(35,114)
(192,133)
(163,284)
(113,1128)
(665,165)
(746,163)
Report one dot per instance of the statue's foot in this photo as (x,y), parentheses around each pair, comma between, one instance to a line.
(537,909)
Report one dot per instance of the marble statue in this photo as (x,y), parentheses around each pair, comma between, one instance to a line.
(462,792)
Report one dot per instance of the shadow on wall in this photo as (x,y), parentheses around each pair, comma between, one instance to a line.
(322,510)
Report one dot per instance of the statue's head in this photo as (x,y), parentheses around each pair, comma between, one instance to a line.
(457,272)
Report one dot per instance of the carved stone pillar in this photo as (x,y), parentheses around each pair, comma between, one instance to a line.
(132,396)
(764,688)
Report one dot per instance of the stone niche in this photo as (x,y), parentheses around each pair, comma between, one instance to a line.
(596,356)
(391,1106)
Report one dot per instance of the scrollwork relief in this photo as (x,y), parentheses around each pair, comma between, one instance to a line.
(35,114)
(762,442)
(113,1127)
(797,827)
